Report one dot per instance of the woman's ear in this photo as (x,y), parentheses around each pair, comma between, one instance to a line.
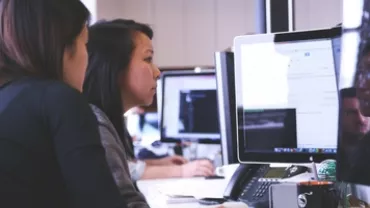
(70,51)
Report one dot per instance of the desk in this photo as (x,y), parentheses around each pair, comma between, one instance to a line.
(155,198)
(154,190)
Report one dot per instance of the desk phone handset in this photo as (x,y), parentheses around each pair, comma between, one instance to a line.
(250,185)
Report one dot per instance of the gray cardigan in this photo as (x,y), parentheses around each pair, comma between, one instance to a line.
(117,161)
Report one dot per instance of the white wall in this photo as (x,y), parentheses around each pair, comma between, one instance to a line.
(186,32)
(92,6)
(313,14)
(139,10)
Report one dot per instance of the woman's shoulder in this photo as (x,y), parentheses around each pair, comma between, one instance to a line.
(48,88)
(100,115)
(44,90)
(60,89)
(106,127)
(58,99)
(103,120)
(59,95)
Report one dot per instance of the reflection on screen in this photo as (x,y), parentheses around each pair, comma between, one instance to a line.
(290,96)
(354,141)
(190,107)
(337,43)
(266,130)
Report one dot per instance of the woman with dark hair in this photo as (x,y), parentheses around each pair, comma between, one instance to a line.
(121,75)
(50,151)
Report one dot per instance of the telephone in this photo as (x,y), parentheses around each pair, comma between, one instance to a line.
(250,184)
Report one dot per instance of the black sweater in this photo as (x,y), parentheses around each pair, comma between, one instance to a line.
(50,151)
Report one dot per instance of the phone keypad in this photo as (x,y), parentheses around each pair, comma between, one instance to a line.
(261,190)
(256,188)
(255,192)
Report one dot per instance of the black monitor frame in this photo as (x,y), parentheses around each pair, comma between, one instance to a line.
(224,64)
(274,157)
(195,72)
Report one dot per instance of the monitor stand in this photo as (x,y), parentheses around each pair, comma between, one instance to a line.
(178,149)
(314,171)
(186,148)
(296,172)
(190,149)
(194,150)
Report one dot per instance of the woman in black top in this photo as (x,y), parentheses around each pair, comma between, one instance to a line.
(50,151)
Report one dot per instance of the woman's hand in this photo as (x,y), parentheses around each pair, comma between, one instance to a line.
(197,168)
(170,160)
(173,160)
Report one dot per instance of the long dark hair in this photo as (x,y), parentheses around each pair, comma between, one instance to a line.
(34,35)
(110,48)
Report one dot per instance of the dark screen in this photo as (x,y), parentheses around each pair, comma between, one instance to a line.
(196,107)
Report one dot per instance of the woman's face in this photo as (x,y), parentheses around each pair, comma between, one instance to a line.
(75,61)
(139,82)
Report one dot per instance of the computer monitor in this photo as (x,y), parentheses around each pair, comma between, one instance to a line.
(354,139)
(159,100)
(337,48)
(224,63)
(143,127)
(286,97)
(189,107)
(159,90)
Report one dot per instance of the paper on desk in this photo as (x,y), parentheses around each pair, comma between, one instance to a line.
(213,188)
(180,200)
(226,205)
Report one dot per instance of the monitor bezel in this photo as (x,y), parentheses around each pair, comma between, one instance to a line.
(275,157)
(159,101)
(225,104)
(195,72)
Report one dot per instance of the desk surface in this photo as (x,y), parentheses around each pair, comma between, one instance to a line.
(155,198)
(156,191)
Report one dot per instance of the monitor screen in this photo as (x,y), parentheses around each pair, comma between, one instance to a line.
(337,43)
(286,95)
(159,90)
(189,108)
(143,127)
(354,139)
(159,99)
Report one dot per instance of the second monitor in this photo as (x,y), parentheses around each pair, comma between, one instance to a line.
(286,95)
(189,107)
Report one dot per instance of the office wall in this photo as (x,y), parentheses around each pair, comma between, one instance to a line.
(187,32)
(92,6)
(313,14)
